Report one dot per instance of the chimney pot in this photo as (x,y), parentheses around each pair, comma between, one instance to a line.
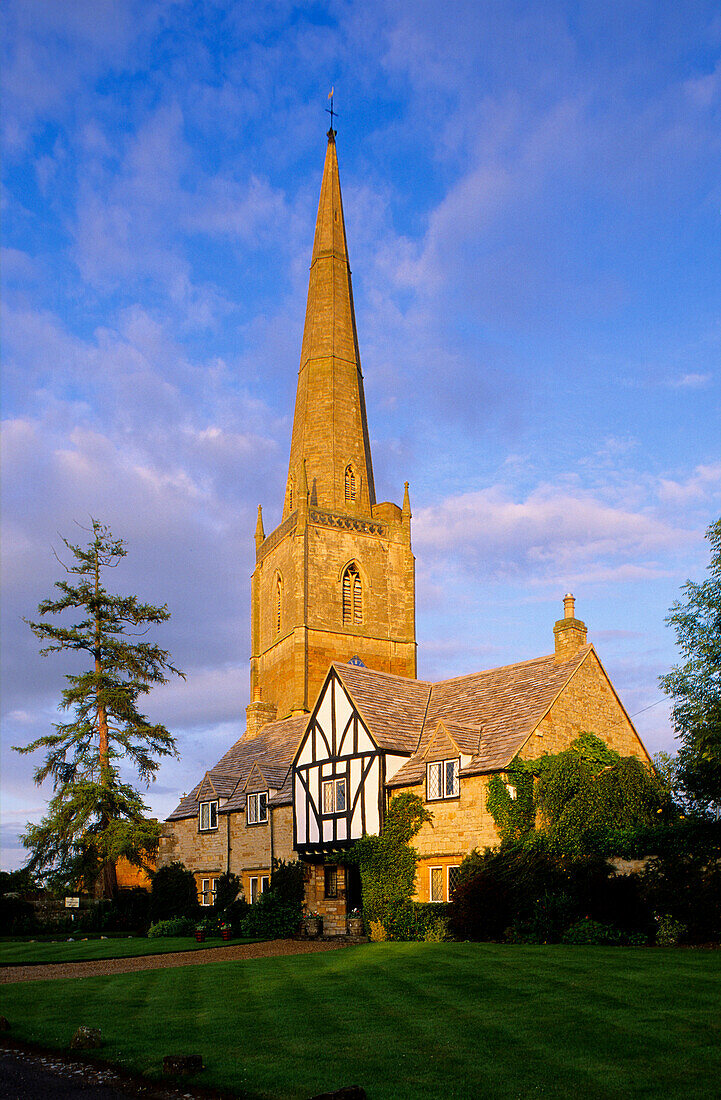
(569,606)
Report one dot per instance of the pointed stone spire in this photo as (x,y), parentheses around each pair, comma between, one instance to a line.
(330,430)
(259,532)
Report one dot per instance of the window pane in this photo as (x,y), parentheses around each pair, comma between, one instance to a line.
(204,892)
(253,890)
(328,806)
(453,876)
(331,882)
(434,780)
(252,810)
(264,883)
(213,808)
(263,807)
(436,884)
(451,778)
(204,815)
(340,794)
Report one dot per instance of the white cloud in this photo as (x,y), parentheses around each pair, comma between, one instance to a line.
(691,382)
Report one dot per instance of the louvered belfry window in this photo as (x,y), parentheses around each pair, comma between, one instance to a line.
(278,603)
(352,596)
(349,483)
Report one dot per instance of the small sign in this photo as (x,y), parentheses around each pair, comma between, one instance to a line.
(72,903)
(357,662)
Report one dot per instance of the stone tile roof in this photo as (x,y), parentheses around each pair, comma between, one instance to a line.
(393,707)
(507,703)
(488,714)
(272,750)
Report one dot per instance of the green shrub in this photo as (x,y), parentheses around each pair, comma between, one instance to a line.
(271,917)
(287,881)
(17,917)
(669,932)
(437,931)
(227,888)
(592,932)
(414,919)
(173,893)
(177,926)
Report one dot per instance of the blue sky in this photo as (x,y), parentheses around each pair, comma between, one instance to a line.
(533,206)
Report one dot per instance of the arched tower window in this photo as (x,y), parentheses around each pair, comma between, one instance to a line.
(352,596)
(350,483)
(278,602)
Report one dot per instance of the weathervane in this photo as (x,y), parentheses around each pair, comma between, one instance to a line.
(330,110)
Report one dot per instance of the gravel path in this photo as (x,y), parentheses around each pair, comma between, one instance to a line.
(93,967)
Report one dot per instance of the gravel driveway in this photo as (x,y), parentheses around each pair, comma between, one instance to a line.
(93,967)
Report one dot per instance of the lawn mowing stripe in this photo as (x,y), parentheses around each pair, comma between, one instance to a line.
(403,1020)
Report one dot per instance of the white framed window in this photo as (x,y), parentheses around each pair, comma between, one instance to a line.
(208,891)
(453,877)
(436,884)
(512,793)
(334,801)
(257,811)
(208,816)
(258,885)
(442,779)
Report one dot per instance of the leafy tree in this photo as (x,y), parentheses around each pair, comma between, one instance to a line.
(95,816)
(695,684)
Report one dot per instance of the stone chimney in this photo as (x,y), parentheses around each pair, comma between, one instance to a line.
(569,632)
(259,714)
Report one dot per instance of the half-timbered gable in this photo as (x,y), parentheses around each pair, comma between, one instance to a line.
(338,774)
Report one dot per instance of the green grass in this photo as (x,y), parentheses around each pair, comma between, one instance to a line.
(22,953)
(410,1020)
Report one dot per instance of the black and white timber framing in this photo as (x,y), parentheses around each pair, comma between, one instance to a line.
(337,745)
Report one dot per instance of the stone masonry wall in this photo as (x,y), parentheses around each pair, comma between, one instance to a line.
(587,703)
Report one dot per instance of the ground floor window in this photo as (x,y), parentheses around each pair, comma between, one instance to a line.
(207,892)
(258,885)
(331,882)
(443,881)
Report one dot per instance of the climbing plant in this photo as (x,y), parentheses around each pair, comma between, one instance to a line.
(576,795)
(387,863)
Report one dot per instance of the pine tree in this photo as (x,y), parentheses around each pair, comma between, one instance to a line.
(95,815)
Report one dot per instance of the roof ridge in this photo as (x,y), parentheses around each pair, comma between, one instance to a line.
(513,664)
(377,672)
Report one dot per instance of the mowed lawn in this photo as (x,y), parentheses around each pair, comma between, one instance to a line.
(410,1020)
(22,954)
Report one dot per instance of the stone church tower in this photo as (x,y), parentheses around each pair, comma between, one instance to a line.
(336,579)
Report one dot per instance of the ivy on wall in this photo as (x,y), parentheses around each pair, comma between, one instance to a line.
(387,863)
(575,795)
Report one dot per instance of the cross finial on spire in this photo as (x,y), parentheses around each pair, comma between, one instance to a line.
(333,114)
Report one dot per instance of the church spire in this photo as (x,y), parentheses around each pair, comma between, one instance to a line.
(330,430)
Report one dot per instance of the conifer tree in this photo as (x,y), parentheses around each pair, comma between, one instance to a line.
(96,815)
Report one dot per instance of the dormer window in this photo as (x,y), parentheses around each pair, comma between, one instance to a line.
(257,808)
(352,596)
(442,779)
(208,816)
(350,484)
